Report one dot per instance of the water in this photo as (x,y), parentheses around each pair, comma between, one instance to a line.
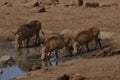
(24,61)
(11,72)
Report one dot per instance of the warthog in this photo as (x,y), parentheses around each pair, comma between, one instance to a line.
(54,43)
(26,31)
(84,37)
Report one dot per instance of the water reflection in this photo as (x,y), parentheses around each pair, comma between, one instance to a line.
(30,57)
(11,72)
(25,60)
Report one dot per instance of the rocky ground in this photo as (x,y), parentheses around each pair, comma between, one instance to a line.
(59,17)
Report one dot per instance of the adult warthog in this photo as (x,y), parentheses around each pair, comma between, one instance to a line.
(84,37)
(26,31)
(54,43)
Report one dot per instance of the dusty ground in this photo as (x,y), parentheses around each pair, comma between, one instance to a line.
(59,18)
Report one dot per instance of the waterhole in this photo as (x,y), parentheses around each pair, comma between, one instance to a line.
(25,59)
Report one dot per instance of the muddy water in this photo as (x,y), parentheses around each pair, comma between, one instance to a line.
(25,60)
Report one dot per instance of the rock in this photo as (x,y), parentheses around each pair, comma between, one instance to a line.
(92,5)
(32,3)
(36,4)
(80,2)
(7,4)
(63,77)
(49,2)
(1,71)
(5,59)
(42,9)
(71,2)
(71,77)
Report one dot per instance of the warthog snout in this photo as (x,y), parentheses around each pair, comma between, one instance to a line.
(76,47)
(44,53)
(18,42)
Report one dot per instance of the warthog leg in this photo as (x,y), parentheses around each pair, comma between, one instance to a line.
(98,41)
(56,54)
(48,55)
(37,39)
(80,48)
(87,46)
(28,42)
(43,56)
(70,50)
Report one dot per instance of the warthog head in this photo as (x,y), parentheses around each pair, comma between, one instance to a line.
(44,53)
(76,47)
(18,41)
